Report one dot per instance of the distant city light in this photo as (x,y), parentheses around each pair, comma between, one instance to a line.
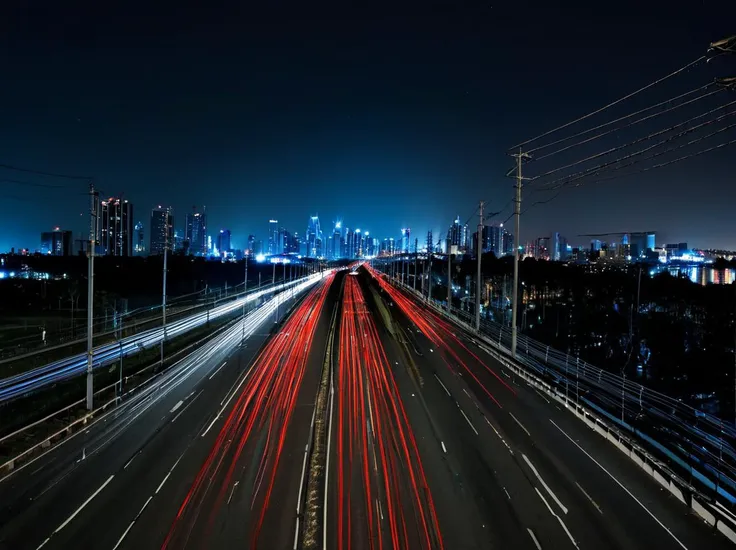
(260,258)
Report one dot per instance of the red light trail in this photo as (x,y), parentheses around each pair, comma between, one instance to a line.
(262,412)
(383,497)
(439,332)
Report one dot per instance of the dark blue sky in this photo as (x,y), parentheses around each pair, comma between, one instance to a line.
(382,120)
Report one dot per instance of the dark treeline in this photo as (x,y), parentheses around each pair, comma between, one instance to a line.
(135,281)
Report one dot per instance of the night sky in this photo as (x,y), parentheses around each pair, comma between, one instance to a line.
(389,115)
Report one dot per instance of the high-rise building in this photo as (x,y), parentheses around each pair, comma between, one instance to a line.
(139,246)
(223,241)
(430,242)
(405,239)
(336,251)
(559,248)
(57,242)
(457,236)
(314,238)
(196,232)
(251,248)
(116,227)
(162,230)
(273,237)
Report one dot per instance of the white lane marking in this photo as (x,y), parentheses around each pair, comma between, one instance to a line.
(468,420)
(593,502)
(168,474)
(226,403)
(662,525)
(562,523)
(498,434)
(466,393)
(546,487)
(162,483)
(520,424)
(43,543)
(443,386)
(542,395)
(218,370)
(120,540)
(380,509)
(131,460)
(507,493)
(443,446)
(176,407)
(186,406)
(327,464)
(232,491)
(144,507)
(85,503)
(301,480)
(536,542)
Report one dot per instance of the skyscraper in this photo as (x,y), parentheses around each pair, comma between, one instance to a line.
(251,250)
(430,242)
(456,235)
(116,227)
(57,242)
(223,241)
(139,246)
(337,241)
(314,238)
(162,230)
(405,239)
(273,237)
(196,232)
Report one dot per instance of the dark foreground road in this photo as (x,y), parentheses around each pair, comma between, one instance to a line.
(123,482)
(525,472)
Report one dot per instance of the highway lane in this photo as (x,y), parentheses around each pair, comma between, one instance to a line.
(378,494)
(549,462)
(86,492)
(246,492)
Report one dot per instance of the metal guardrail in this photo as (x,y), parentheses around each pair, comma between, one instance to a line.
(698,446)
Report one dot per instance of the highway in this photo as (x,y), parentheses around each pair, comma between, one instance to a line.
(529,472)
(123,482)
(431,444)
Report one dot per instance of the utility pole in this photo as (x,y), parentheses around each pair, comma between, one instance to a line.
(478,277)
(429,284)
(449,279)
(416,259)
(517,214)
(91,290)
(163,293)
(245,296)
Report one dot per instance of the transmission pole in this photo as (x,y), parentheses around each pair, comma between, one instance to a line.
(478,276)
(245,295)
(163,291)
(517,214)
(449,278)
(91,290)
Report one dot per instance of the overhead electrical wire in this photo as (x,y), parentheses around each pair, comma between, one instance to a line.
(636,153)
(563,182)
(42,173)
(611,104)
(630,124)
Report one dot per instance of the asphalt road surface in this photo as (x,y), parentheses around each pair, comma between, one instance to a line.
(123,482)
(525,473)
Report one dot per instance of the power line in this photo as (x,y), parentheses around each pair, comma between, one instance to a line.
(33,184)
(648,117)
(42,173)
(657,154)
(616,102)
(631,155)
